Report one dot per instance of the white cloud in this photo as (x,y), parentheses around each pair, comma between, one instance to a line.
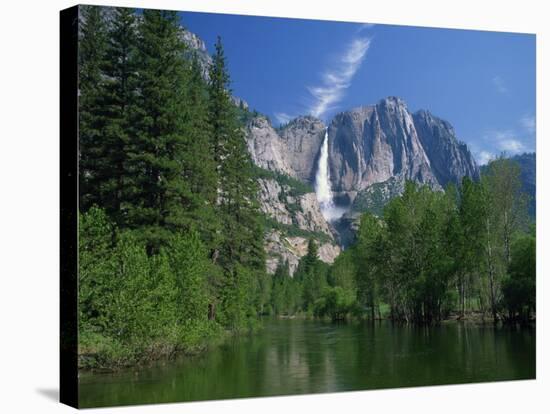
(507,141)
(511,145)
(499,84)
(336,80)
(483,157)
(528,122)
(365,26)
(283,117)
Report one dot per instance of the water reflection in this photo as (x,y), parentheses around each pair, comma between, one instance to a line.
(297,357)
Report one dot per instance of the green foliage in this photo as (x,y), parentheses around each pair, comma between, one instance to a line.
(335,303)
(286,292)
(171,238)
(147,305)
(292,230)
(189,263)
(374,198)
(433,252)
(240,252)
(519,288)
(91,58)
(295,187)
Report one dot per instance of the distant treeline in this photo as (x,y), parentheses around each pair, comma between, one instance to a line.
(171,238)
(429,255)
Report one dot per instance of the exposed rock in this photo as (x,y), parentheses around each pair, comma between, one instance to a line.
(371,144)
(376,196)
(309,217)
(450,159)
(279,250)
(373,150)
(301,212)
(241,103)
(196,48)
(329,252)
(292,149)
(282,249)
(303,138)
(271,202)
(266,148)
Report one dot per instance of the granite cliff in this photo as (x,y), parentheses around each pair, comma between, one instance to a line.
(373,150)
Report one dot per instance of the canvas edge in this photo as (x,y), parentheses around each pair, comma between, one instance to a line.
(68,118)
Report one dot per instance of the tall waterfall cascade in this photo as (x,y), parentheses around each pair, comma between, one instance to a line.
(322,185)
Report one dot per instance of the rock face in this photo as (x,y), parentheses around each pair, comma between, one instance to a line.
(302,138)
(282,248)
(373,150)
(266,147)
(450,159)
(196,48)
(301,210)
(295,213)
(298,218)
(372,144)
(292,150)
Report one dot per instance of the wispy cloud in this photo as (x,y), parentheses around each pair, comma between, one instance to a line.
(499,84)
(507,141)
(528,123)
(483,157)
(283,118)
(337,79)
(365,26)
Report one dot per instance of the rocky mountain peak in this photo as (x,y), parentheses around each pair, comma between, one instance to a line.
(372,151)
(371,144)
(392,103)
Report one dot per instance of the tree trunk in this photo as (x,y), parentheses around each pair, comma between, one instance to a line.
(491,280)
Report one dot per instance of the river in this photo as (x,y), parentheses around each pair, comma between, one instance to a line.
(303,356)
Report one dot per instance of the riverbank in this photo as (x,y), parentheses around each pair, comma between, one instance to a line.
(101,354)
(476,317)
(299,356)
(98,353)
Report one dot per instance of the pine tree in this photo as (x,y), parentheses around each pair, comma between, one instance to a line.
(118,89)
(198,164)
(313,275)
(157,190)
(241,253)
(91,56)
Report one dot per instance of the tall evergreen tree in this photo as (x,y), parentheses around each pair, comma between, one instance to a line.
(198,164)
(91,57)
(118,90)
(157,191)
(241,253)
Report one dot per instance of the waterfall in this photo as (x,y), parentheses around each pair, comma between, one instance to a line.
(322,185)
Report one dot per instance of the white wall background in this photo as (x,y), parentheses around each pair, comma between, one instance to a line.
(29,193)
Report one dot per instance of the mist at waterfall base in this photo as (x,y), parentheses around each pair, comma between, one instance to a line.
(330,211)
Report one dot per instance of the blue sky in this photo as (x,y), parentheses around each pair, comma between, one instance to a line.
(483,83)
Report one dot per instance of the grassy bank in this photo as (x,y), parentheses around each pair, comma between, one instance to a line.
(103,353)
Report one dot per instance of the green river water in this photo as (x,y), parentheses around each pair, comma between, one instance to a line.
(303,356)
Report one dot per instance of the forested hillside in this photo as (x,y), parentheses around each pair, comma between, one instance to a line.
(171,238)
